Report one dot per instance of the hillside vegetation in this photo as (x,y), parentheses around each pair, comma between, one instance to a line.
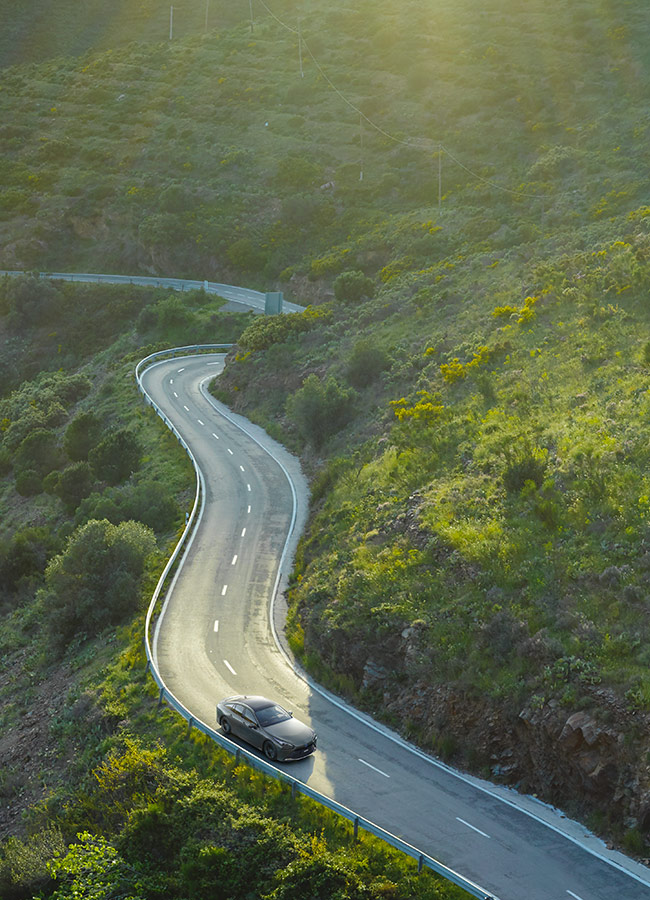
(469,386)
(102,793)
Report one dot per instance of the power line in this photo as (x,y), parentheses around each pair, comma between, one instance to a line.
(417,142)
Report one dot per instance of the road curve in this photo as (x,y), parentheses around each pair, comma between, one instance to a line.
(216,638)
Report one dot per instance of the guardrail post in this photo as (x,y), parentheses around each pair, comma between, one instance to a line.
(146,668)
(356,828)
(237,755)
(420,864)
(294,790)
(160,697)
(190,723)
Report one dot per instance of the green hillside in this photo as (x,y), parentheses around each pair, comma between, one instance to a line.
(459,190)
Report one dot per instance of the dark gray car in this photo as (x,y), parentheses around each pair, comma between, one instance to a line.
(267,726)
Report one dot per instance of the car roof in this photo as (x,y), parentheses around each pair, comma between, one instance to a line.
(255,701)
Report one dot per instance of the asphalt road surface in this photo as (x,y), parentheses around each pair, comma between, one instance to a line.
(216,638)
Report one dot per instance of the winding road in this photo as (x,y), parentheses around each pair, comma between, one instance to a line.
(217,636)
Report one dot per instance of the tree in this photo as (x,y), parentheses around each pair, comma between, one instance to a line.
(116,457)
(96,580)
(81,435)
(320,408)
(352,286)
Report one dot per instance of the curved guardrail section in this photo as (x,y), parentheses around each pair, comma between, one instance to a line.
(255,300)
(165,695)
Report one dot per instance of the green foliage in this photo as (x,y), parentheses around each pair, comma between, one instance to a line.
(148,502)
(95,581)
(92,869)
(116,457)
(321,876)
(73,484)
(38,452)
(524,464)
(264,331)
(365,364)
(320,408)
(353,286)
(25,864)
(81,435)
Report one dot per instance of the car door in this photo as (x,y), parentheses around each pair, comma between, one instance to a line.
(253,731)
(236,719)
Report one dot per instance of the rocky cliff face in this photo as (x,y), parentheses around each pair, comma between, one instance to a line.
(583,762)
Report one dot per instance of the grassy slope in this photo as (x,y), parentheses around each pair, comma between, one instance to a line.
(161,158)
(90,767)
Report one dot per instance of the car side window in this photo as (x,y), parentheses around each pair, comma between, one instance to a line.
(237,708)
(249,717)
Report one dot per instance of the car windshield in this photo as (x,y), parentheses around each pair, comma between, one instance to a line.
(271,715)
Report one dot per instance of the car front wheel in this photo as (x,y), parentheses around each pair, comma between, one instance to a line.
(269,751)
(225,724)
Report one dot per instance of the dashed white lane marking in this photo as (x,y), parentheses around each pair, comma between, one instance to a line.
(223,590)
(215,435)
(171,380)
(248,510)
(574,895)
(212,364)
(229,667)
(374,768)
(248,486)
(472,827)
(242,468)
(230,451)
(234,560)
(175,395)
(216,625)
(181,370)
(243,532)
(186,408)
(200,422)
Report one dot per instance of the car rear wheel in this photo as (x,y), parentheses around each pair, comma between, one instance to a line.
(225,724)
(269,751)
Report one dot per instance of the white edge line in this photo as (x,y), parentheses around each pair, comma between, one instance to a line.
(573,895)
(381,729)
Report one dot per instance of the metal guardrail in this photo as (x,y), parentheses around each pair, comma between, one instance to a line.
(165,695)
(246,296)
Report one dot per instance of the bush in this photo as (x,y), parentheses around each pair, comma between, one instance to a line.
(29,483)
(38,452)
(96,580)
(320,409)
(116,457)
(366,363)
(353,286)
(73,484)
(524,464)
(81,435)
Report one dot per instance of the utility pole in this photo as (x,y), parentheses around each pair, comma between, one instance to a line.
(250,5)
(171,22)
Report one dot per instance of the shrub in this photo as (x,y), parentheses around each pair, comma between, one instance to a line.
(366,363)
(29,483)
(38,452)
(73,484)
(96,580)
(81,435)
(116,457)
(353,286)
(524,463)
(320,408)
